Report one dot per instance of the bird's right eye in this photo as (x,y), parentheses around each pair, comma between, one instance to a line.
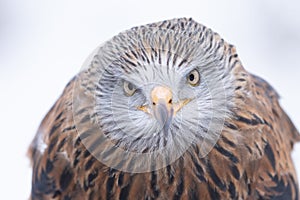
(129,88)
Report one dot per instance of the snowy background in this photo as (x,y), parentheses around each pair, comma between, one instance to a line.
(44,43)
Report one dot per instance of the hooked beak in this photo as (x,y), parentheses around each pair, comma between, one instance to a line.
(163,108)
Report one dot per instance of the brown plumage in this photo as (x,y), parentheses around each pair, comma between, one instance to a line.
(250,160)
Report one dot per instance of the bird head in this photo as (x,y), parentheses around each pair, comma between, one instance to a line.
(157,89)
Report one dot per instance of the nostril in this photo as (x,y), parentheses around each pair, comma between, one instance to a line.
(154,103)
(170,101)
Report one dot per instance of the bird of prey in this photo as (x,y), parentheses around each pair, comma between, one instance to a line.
(165,111)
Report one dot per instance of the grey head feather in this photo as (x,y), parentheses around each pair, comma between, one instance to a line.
(161,53)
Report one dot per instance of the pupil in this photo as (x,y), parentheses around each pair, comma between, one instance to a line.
(192,77)
(130,87)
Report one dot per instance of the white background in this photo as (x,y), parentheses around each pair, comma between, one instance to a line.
(44,43)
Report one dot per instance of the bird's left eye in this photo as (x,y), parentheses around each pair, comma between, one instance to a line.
(193,78)
(129,88)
